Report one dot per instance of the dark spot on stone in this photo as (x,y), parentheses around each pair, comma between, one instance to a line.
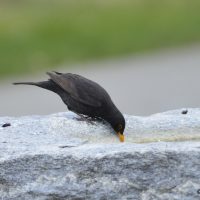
(6,125)
(184,112)
(66,146)
(198,191)
(3,181)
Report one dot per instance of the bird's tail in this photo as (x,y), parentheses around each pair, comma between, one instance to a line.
(28,83)
(49,85)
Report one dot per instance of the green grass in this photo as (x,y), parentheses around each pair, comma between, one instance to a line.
(38,34)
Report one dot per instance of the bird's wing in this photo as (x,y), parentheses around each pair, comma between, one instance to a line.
(80,88)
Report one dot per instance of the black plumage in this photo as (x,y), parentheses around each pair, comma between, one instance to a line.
(84,97)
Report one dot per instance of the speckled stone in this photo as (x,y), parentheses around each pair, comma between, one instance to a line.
(60,157)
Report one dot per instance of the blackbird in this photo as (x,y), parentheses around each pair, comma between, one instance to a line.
(84,97)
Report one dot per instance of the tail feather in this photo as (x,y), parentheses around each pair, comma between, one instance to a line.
(26,83)
(49,85)
(43,84)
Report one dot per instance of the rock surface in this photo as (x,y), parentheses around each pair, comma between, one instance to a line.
(60,157)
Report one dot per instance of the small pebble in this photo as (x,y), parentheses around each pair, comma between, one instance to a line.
(6,125)
(184,112)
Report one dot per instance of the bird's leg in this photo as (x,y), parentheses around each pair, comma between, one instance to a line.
(85,118)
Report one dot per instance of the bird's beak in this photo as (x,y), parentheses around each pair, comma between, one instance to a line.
(121,137)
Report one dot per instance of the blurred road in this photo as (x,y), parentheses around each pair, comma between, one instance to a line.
(140,85)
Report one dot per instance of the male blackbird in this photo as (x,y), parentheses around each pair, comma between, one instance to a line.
(84,97)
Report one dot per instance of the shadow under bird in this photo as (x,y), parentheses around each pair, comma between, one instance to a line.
(84,97)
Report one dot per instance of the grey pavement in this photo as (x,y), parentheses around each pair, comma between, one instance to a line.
(139,85)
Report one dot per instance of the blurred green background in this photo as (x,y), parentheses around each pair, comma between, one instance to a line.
(39,34)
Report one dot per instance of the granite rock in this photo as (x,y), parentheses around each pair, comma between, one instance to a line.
(61,157)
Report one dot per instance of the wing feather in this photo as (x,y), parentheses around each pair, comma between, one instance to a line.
(81,89)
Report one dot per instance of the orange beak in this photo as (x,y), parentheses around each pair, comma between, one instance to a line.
(121,137)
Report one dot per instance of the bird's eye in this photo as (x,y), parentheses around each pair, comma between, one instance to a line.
(119,126)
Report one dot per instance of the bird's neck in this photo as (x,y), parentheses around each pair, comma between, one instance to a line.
(112,117)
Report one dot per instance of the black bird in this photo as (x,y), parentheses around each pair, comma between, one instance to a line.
(84,97)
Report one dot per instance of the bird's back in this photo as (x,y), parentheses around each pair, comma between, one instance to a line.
(83,95)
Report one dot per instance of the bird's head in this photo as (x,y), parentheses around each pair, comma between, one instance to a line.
(117,122)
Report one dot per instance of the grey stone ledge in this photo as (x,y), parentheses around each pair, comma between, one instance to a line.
(61,157)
